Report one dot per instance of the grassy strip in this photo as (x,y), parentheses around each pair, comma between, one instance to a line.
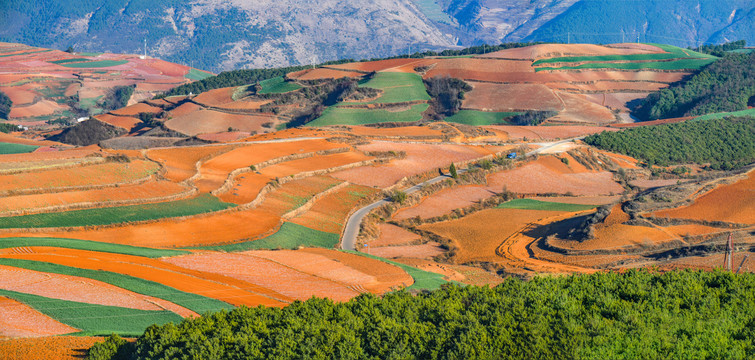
(397,87)
(423,280)
(530,204)
(672,52)
(278,85)
(65,61)
(95,319)
(479,118)
(195,74)
(6,243)
(95,64)
(8,148)
(342,116)
(683,64)
(193,302)
(748,112)
(103,216)
(289,236)
(26,53)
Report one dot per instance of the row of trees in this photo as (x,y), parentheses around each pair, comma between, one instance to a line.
(637,314)
(447,94)
(726,85)
(720,50)
(5,105)
(723,143)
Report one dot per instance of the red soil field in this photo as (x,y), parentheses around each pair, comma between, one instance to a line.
(404,131)
(550,175)
(387,275)
(209,121)
(445,201)
(20,320)
(180,162)
(245,104)
(48,155)
(329,213)
(215,97)
(40,108)
(419,158)
(548,132)
(579,109)
(558,50)
(45,348)
(711,262)
(137,108)
(184,109)
(615,100)
(290,134)
(314,163)
(216,170)
(731,203)
(97,174)
(609,86)
(150,189)
(393,235)
(581,200)
(466,274)
(19,95)
(207,284)
(478,235)
(374,65)
(654,122)
(167,68)
(323,73)
(265,273)
(423,251)
(294,194)
(224,136)
(73,288)
(511,97)
(245,189)
(125,122)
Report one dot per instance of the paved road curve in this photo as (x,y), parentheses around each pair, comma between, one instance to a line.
(348,241)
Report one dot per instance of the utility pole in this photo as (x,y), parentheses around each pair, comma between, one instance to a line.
(727,257)
(743,262)
(568,37)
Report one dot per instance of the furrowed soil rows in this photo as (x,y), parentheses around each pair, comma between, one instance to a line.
(445,201)
(388,276)
(423,251)
(323,73)
(393,235)
(511,97)
(329,213)
(556,50)
(419,158)
(50,347)
(375,65)
(125,122)
(211,285)
(398,132)
(209,121)
(730,203)
(294,194)
(20,320)
(98,174)
(136,109)
(314,163)
(265,273)
(548,132)
(215,97)
(180,163)
(48,155)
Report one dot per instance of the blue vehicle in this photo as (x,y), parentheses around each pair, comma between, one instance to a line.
(511,155)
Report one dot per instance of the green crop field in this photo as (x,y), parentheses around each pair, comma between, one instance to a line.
(289,236)
(479,118)
(95,319)
(95,64)
(74,60)
(423,280)
(344,116)
(278,85)
(683,64)
(8,148)
(114,215)
(748,112)
(13,242)
(530,204)
(195,74)
(193,302)
(672,52)
(397,87)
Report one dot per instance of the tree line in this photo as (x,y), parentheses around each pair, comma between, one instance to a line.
(5,105)
(637,314)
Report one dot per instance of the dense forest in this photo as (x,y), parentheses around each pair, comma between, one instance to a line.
(726,85)
(723,143)
(447,94)
(720,50)
(5,105)
(638,314)
(117,97)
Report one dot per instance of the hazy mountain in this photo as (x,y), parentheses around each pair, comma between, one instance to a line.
(218,35)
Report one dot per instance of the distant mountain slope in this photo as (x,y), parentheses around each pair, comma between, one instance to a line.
(222,35)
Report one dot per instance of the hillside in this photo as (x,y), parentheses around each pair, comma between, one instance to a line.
(222,36)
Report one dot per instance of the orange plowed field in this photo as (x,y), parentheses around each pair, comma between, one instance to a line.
(137,108)
(731,203)
(20,320)
(323,73)
(46,348)
(207,284)
(712,262)
(20,95)
(479,235)
(97,174)
(294,194)
(419,158)
(126,122)
(8,138)
(180,163)
(148,190)
(245,188)
(40,108)
(388,276)
(509,97)
(314,163)
(329,213)
(184,109)
(423,251)
(245,104)
(216,170)
(557,50)
(393,235)
(265,273)
(399,131)
(375,65)
(579,109)
(209,121)
(79,289)
(224,136)
(215,97)
(609,86)
(548,132)
(581,200)
(445,201)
